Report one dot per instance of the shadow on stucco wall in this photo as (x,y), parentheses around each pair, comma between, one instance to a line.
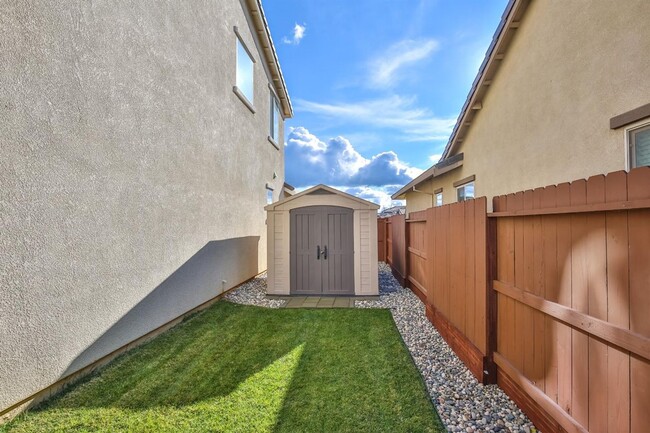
(196,281)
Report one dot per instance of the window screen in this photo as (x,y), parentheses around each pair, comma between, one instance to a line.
(276,118)
(640,147)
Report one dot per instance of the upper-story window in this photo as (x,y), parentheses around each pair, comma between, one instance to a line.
(438,198)
(244,71)
(639,139)
(465,191)
(465,188)
(276,121)
(269,195)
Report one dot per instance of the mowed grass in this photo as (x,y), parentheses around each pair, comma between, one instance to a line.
(235,368)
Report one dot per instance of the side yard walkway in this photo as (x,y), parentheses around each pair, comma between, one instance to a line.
(463,403)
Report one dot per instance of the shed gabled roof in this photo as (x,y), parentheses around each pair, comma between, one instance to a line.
(322,189)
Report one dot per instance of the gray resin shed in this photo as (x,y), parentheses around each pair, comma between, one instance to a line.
(322,241)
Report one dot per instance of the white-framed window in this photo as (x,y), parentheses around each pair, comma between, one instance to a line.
(269,195)
(245,75)
(275,121)
(438,198)
(465,191)
(639,146)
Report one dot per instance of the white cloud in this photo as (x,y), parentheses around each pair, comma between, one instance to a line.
(311,161)
(298,34)
(435,157)
(394,112)
(379,195)
(384,69)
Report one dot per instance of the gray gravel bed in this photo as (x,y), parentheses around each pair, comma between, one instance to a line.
(463,403)
(253,292)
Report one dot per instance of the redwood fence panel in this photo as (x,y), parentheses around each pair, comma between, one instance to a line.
(416,250)
(548,295)
(457,288)
(397,248)
(573,291)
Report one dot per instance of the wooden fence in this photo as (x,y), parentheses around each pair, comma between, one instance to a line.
(549,294)
(381,239)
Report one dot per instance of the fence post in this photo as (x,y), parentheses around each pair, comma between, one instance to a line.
(491,316)
(407,240)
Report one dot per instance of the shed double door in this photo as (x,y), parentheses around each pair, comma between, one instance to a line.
(322,251)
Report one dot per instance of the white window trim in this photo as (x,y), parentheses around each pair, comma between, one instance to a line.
(628,131)
(274,99)
(236,90)
(435,199)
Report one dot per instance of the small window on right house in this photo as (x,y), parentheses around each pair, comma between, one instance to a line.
(465,191)
(438,199)
(639,140)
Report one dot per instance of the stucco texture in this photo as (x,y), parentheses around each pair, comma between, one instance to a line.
(132,177)
(545,119)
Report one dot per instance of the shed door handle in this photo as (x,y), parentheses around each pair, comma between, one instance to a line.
(325,252)
(317,252)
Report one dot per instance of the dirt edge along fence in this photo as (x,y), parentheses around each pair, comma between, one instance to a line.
(547,296)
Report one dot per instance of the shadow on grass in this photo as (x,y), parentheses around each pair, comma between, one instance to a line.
(239,368)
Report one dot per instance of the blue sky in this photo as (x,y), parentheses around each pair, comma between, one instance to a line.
(376,85)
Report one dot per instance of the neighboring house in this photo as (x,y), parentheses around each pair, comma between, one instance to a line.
(138,147)
(392,211)
(287,191)
(563,94)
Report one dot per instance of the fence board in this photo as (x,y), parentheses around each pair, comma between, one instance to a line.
(471,295)
(564,259)
(639,271)
(381,239)
(550,292)
(579,302)
(455,311)
(480,271)
(618,301)
(597,305)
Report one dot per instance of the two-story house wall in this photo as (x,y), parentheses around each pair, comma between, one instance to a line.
(563,94)
(139,144)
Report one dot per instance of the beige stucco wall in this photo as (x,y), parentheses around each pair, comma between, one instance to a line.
(366,279)
(545,120)
(132,178)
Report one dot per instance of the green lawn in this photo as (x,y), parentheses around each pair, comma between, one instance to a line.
(235,368)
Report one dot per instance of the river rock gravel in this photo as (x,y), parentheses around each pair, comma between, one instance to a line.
(253,292)
(463,403)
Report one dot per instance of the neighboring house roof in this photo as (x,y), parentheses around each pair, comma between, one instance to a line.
(436,170)
(496,52)
(270,55)
(322,189)
(288,189)
(395,210)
